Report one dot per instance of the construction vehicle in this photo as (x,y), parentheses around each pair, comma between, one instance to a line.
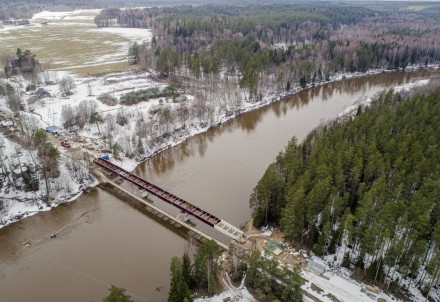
(65,144)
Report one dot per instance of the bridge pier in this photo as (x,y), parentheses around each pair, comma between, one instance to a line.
(160,211)
(185,206)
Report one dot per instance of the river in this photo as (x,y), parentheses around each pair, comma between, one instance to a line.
(115,243)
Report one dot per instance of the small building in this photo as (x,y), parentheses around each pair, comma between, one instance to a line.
(6,123)
(274,247)
(19,171)
(315,267)
(42,93)
(52,129)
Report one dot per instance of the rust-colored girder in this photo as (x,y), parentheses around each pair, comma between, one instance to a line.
(161,193)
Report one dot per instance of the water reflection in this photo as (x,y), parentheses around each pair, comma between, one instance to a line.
(248,122)
(13,237)
(123,245)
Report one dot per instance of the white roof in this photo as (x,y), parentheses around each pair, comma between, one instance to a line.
(7,123)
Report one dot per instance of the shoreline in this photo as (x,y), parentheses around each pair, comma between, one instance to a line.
(131,165)
(279,97)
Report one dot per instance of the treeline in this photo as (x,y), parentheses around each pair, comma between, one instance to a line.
(251,64)
(143,95)
(17,10)
(267,23)
(259,47)
(377,55)
(246,58)
(201,274)
(273,282)
(134,18)
(266,277)
(23,9)
(368,188)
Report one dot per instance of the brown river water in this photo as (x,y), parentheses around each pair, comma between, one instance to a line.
(116,243)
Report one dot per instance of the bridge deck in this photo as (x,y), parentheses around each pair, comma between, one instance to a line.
(164,195)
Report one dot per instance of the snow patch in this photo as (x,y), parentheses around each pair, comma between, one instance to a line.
(134,34)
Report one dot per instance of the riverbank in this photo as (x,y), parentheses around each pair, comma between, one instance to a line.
(249,106)
(341,283)
(49,112)
(216,170)
(19,201)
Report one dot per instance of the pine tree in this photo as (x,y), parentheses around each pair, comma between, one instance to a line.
(292,218)
(374,178)
(178,289)
(303,81)
(346,260)
(117,294)
(204,263)
(212,284)
(186,270)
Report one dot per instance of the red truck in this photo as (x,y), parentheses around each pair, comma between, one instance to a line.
(65,144)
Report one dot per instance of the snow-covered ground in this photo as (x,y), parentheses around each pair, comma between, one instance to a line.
(88,89)
(18,204)
(49,112)
(87,16)
(342,289)
(241,295)
(338,283)
(70,40)
(79,14)
(232,293)
(350,112)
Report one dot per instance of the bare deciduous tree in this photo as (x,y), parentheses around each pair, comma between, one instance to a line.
(13,99)
(68,116)
(67,84)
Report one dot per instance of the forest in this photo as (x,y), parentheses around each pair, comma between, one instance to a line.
(24,9)
(367,188)
(258,47)
(266,277)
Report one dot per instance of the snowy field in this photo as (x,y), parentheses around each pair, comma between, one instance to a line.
(71,41)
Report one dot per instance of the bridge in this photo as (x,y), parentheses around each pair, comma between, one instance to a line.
(185,206)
